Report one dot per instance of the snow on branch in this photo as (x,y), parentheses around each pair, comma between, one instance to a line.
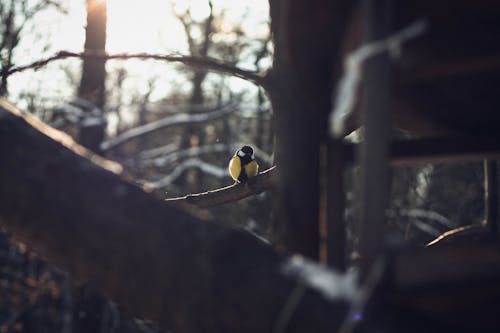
(428,215)
(345,95)
(166,156)
(178,119)
(208,168)
(170,157)
(207,63)
(152,153)
(255,185)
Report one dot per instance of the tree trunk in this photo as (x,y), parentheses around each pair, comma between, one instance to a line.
(306,37)
(155,260)
(92,84)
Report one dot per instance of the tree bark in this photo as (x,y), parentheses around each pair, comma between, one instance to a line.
(155,260)
(307,37)
(92,83)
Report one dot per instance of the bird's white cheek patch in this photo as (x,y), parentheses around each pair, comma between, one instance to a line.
(240,153)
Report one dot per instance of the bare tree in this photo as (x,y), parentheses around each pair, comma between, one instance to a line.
(14,16)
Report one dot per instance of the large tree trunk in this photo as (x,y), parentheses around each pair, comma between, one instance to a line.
(306,38)
(92,84)
(152,258)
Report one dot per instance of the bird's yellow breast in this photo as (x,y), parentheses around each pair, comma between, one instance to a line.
(235,167)
(251,169)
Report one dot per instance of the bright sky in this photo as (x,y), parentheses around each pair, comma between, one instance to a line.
(149,26)
(133,26)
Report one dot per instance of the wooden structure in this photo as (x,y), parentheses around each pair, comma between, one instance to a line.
(442,88)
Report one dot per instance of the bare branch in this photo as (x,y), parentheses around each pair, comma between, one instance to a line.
(262,182)
(152,153)
(167,156)
(177,119)
(206,63)
(208,168)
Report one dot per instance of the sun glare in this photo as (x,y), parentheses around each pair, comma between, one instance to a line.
(143,26)
(150,25)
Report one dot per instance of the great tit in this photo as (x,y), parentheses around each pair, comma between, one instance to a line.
(243,165)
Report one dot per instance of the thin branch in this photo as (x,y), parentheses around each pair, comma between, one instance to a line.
(152,153)
(208,168)
(170,157)
(431,215)
(255,185)
(177,119)
(206,63)
(469,231)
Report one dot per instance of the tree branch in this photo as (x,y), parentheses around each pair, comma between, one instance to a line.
(208,168)
(262,182)
(182,118)
(206,63)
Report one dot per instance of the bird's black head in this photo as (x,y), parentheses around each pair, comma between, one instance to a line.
(247,150)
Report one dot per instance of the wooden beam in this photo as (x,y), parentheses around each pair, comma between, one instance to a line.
(335,230)
(491,203)
(456,68)
(452,263)
(373,154)
(441,150)
(449,288)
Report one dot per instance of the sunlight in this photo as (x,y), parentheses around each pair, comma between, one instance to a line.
(199,9)
(133,26)
(143,26)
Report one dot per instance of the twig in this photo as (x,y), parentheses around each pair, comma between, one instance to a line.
(469,230)
(255,185)
(206,63)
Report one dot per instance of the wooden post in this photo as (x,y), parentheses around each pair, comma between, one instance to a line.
(491,195)
(335,229)
(374,150)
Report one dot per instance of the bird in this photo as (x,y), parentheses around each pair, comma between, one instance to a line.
(243,165)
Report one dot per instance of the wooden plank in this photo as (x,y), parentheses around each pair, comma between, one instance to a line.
(439,150)
(491,195)
(458,263)
(450,288)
